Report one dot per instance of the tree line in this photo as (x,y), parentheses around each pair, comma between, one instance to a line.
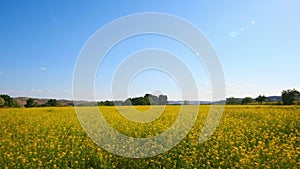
(288,97)
(148,99)
(7,101)
(50,103)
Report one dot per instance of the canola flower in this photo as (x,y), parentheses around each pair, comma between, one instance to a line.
(247,137)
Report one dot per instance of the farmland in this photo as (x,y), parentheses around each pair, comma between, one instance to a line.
(247,136)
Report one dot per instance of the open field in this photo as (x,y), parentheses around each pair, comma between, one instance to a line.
(247,136)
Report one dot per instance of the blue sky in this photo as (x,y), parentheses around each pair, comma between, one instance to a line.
(257,43)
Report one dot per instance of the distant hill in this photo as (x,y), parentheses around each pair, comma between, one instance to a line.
(274,99)
(22,101)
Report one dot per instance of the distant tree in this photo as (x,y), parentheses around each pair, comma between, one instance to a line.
(44,105)
(138,101)
(148,99)
(9,102)
(232,101)
(288,96)
(260,98)
(127,102)
(151,99)
(247,100)
(154,100)
(163,99)
(30,103)
(186,102)
(2,101)
(52,102)
(118,103)
(109,103)
(106,103)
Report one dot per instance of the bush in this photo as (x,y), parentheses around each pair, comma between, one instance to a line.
(2,101)
(9,102)
(289,96)
(30,103)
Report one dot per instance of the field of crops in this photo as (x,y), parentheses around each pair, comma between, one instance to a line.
(247,136)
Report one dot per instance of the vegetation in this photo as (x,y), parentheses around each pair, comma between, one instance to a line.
(106,103)
(139,101)
(247,100)
(52,102)
(2,101)
(186,102)
(260,98)
(247,137)
(232,101)
(289,96)
(8,101)
(148,99)
(30,103)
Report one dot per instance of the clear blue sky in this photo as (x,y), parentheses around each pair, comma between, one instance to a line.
(258,43)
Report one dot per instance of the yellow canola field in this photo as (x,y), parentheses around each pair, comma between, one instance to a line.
(247,136)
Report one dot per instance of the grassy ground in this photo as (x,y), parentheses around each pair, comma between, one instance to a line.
(247,136)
